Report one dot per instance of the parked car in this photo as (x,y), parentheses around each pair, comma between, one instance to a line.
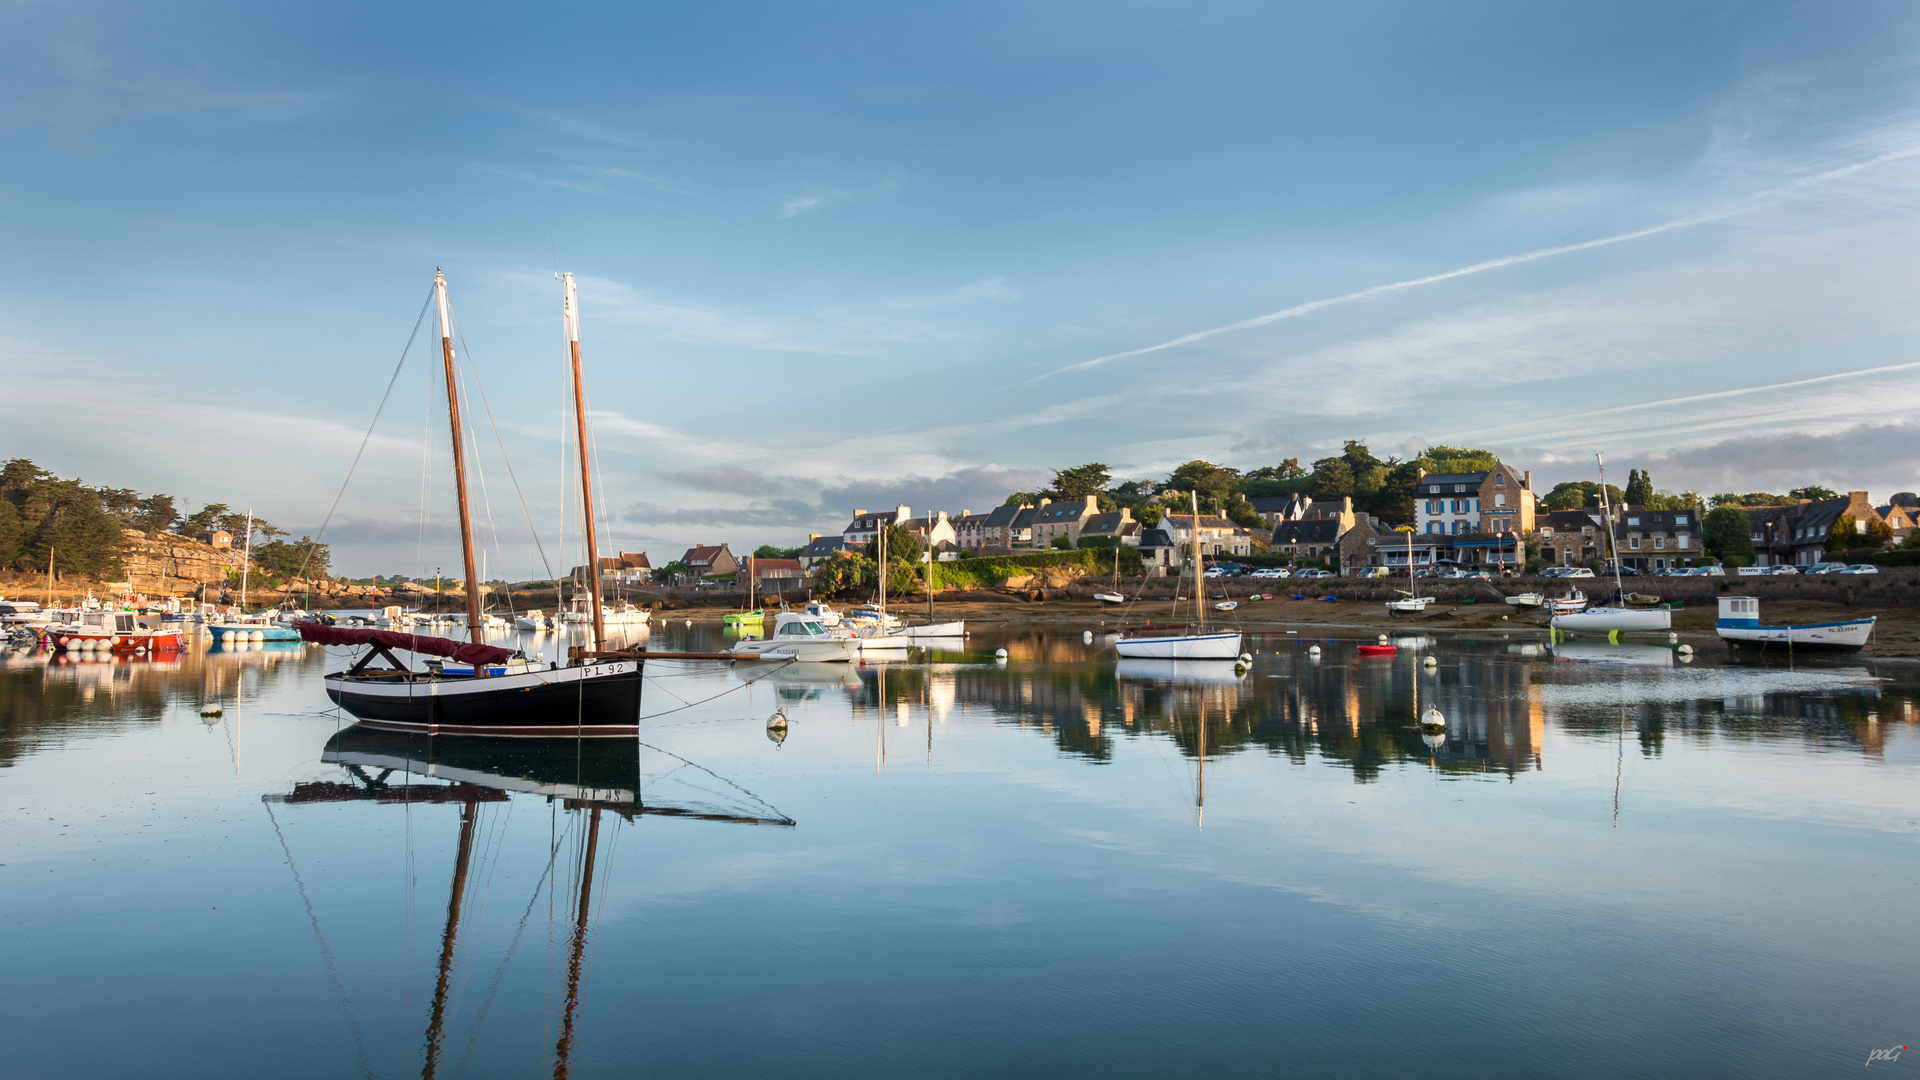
(1784,570)
(1215,572)
(1270,572)
(1576,572)
(1625,571)
(1366,572)
(1310,572)
(1825,568)
(1861,568)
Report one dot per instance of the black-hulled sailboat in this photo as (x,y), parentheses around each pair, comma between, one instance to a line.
(473,688)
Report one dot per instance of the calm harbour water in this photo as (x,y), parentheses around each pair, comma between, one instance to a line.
(1617,864)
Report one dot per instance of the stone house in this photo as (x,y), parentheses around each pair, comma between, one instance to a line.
(1901,514)
(709,562)
(1065,518)
(935,532)
(1158,552)
(1656,539)
(970,530)
(1218,535)
(1367,544)
(1281,508)
(1797,535)
(774,577)
(865,526)
(996,528)
(1120,526)
(1309,538)
(1499,500)
(821,548)
(1571,537)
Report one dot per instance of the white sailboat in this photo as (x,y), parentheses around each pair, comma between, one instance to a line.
(1412,603)
(1195,646)
(1608,619)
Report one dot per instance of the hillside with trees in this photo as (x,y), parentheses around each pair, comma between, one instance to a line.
(83,529)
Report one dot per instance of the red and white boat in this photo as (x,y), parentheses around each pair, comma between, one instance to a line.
(111,631)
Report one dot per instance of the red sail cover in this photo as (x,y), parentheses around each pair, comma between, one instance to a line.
(464,651)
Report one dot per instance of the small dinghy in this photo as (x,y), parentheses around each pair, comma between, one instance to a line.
(1109,598)
(1527,600)
(1378,650)
(1226,605)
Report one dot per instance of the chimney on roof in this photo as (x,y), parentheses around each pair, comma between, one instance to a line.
(811,537)
(1346,504)
(1126,513)
(859,513)
(1045,501)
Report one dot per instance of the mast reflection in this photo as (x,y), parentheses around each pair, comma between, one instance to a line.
(588,777)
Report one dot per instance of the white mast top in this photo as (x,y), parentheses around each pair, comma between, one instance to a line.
(440,300)
(571,310)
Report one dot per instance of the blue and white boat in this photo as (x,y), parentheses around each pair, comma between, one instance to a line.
(1739,623)
(234,629)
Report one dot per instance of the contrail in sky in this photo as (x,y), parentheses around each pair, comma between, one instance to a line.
(1491,264)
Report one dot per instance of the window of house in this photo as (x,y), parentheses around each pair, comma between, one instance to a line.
(1659,543)
(1680,541)
(1680,519)
(1633,542)
(1499,479)
(1500,498)
(1459,488)
(1633,521)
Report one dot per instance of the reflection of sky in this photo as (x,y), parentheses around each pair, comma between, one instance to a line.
(991,882)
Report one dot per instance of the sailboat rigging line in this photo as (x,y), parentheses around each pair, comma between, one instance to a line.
(716,697)
(507,461)
(368,437)
(326,951)
(775,811)
(493,987)
(426,471)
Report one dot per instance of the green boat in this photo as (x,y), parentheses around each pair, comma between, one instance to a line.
(735,618)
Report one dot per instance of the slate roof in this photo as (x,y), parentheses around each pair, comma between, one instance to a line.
(1109,525)
(1308,531)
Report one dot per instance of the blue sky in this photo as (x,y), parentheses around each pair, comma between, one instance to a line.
(835,256)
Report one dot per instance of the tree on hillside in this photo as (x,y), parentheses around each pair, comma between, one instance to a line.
(1639,487)
(67,522)
(1081,481)
(1726,531)
(1751,498)
(301,558)
(12,535)
(1332,479)
(1456,459)
(1021,498)
(768,551)
(1579,494)
(1814,492)
(1393,502)
(1215,483)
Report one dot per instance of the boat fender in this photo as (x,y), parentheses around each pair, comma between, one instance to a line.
(1246,658)
(999,654)
(1313,650)
(1086,635)
(1383,639)
(1685,650)
(1430,662)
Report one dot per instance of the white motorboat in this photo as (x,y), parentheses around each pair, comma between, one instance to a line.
(801,637)
(1109,598)
(872,615)
(1575,600)
(1526,600)
(1613,620)
(535,620)
(824,612)
(1739,622)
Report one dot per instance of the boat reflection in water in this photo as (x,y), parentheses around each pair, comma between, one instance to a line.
(590,777)
(1625,652)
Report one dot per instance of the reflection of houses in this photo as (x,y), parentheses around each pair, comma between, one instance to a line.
(710,562)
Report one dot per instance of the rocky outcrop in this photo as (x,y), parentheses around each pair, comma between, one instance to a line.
(168,564)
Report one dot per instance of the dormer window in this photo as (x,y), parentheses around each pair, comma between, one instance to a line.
(1680,519)
(1633,521)
(1499,479)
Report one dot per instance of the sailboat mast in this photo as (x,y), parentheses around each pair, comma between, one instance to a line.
(1613,545)
(563,1049)
(436,1022)
(586,472)
(474,630)
(246,561)
(1199,588)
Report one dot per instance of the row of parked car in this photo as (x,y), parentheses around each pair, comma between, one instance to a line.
(1226,570)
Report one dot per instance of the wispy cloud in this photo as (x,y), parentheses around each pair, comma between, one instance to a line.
(1490,264)
(800,204)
